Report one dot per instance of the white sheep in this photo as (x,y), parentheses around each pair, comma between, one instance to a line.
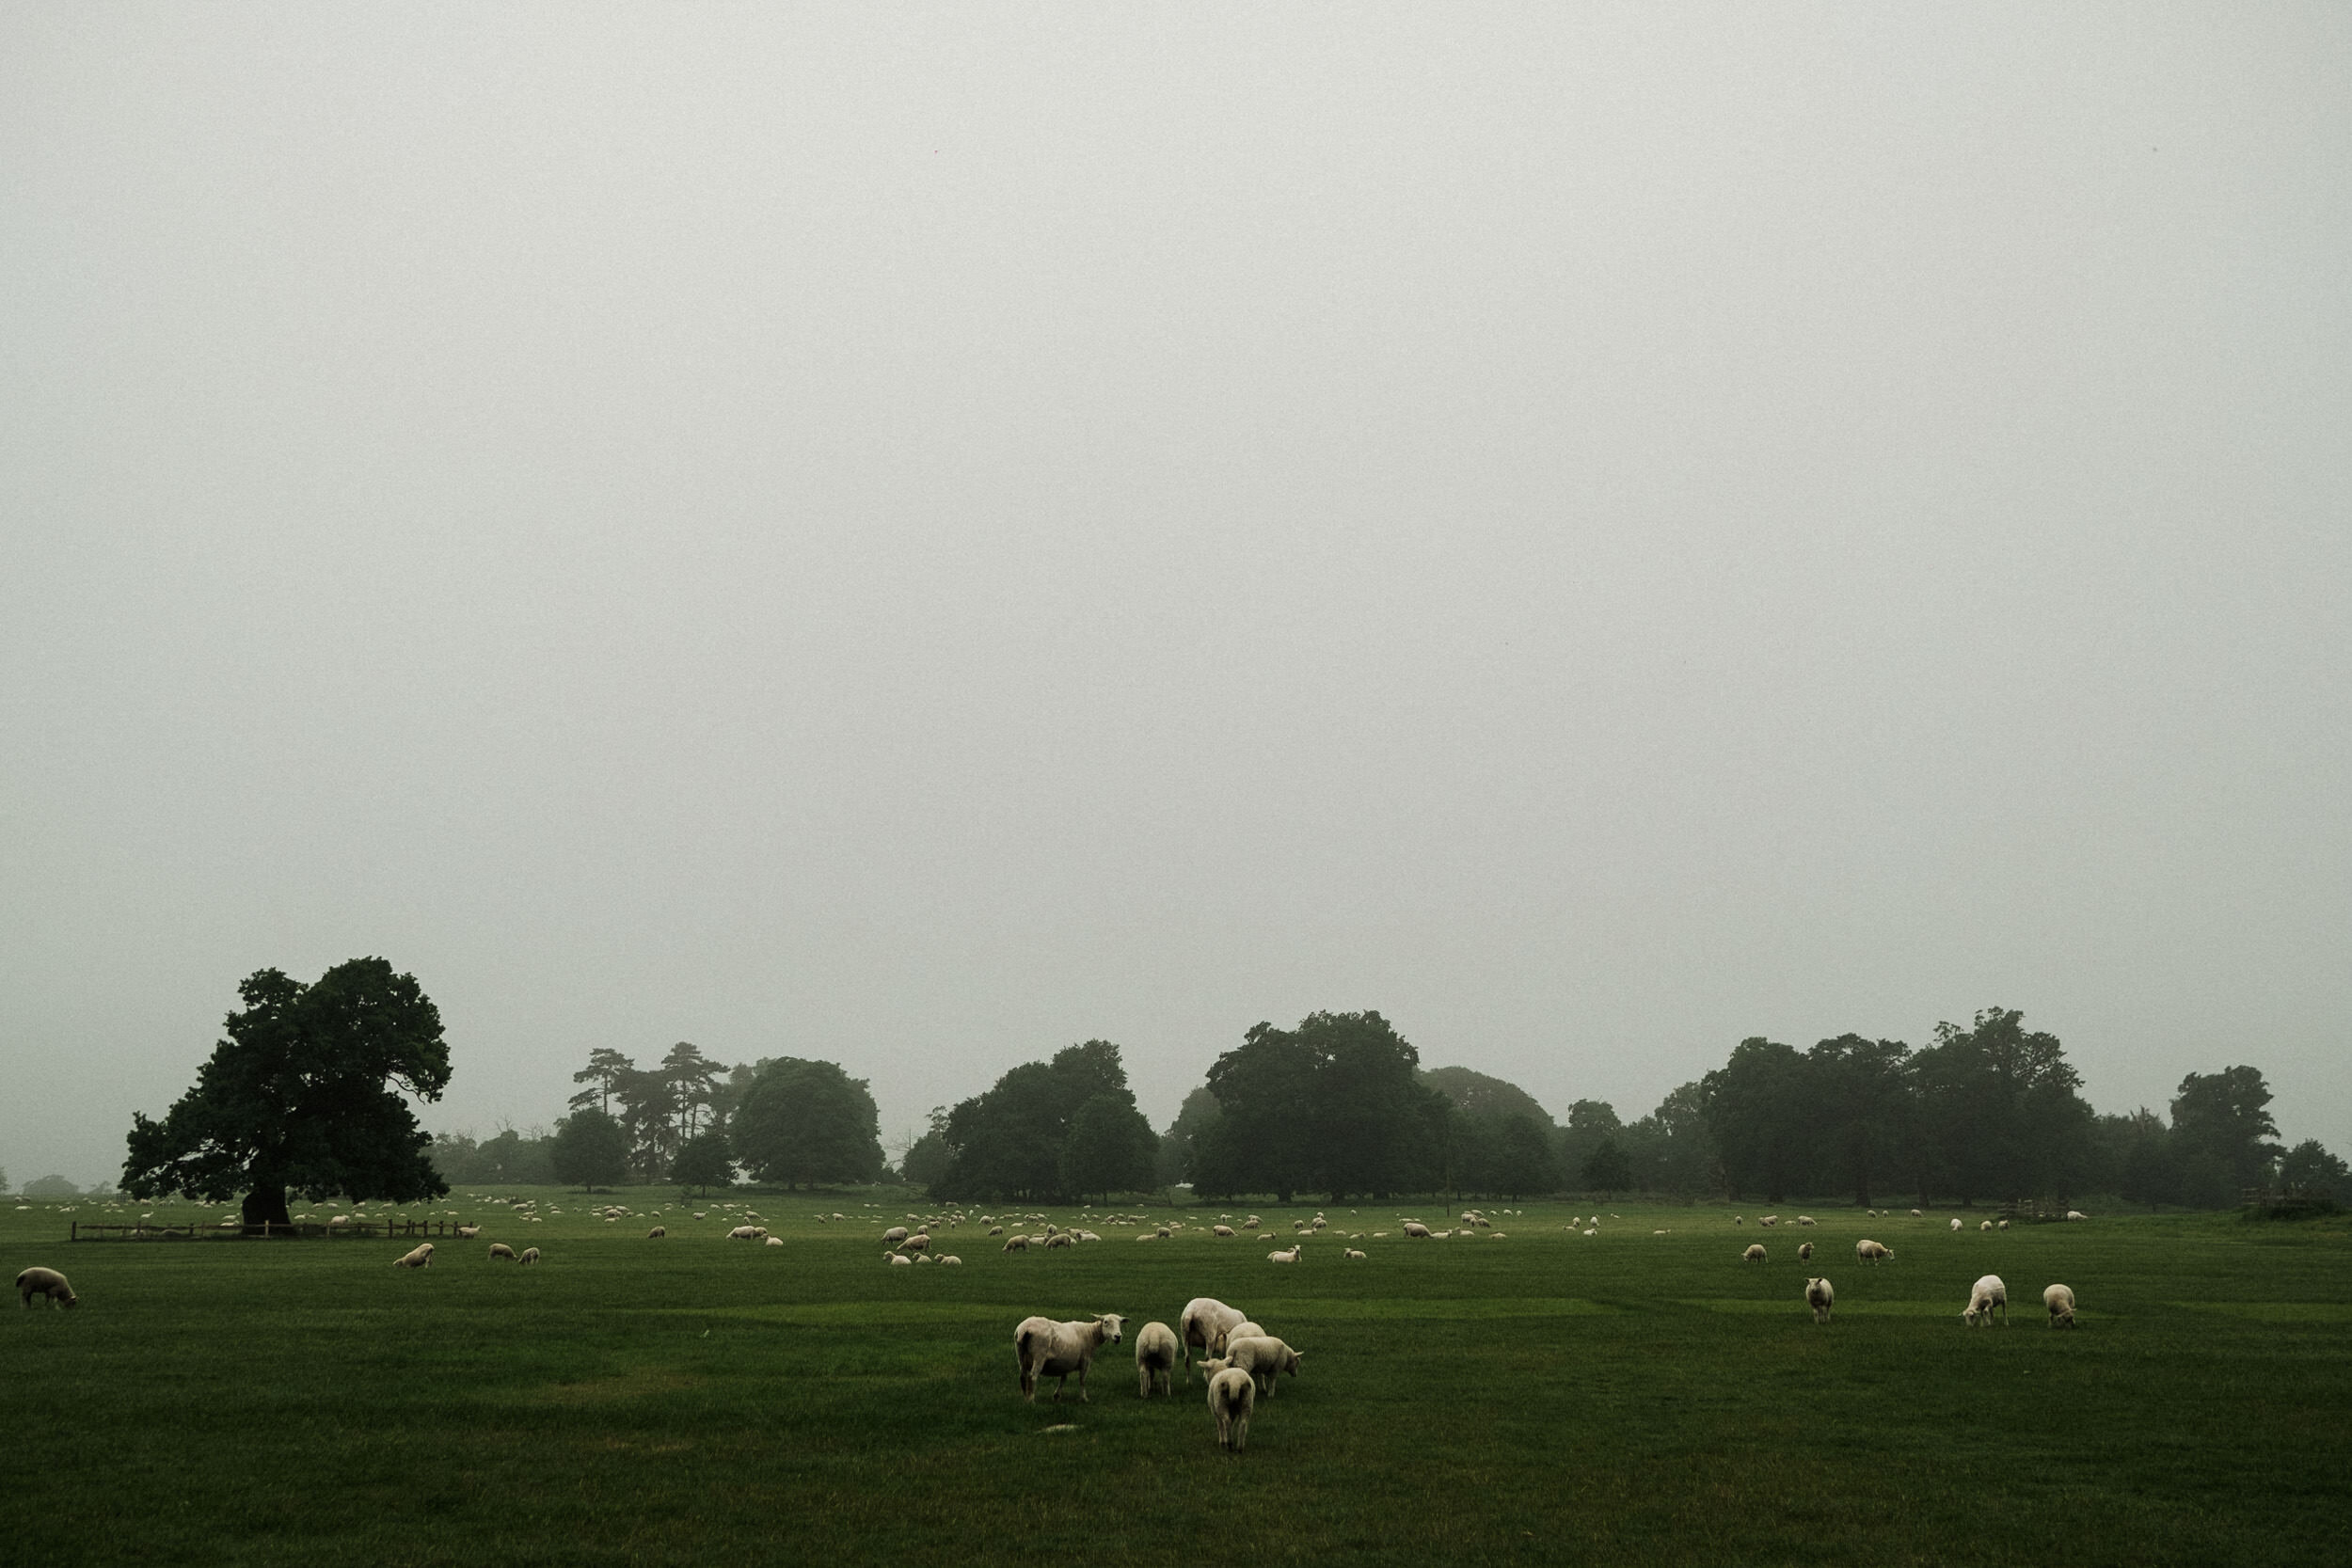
(1415,1230)
(1251,1223)
(1753,1255)
(417,1257)
(531,1255)
(1231,1394)
(1915,1215)
(1805,1219)
(1204,1323)
(1352,1256)
(1243,1330)
(919,1241)
(1262,1356)
(2076,1214)
(49,1283)
(746,1233)
(1986,1295)
(1016,1243)
(1769,1219)
(1984,1225)
(893,1236)
(1805,1252)
(1222,1231)
(1055,1350)
(2005,1225)
(771,1241)
(951,1261)
(1955,1224)
(897,1259)
(465,1232)
(1871,1252)
(2060,1299)
(657,1233)
(1819,1296)
(1060,1239)
(498,1250)
(1156,1359)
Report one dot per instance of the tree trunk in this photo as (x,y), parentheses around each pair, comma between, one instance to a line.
(265,1206)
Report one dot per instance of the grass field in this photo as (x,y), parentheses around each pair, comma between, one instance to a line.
(1546,1397)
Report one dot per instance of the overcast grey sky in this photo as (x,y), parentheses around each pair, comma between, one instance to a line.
(920,534)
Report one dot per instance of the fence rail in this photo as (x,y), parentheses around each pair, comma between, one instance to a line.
(236,1232)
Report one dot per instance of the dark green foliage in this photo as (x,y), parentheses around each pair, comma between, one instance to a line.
(1998,1111)
(1011,1141)
(802,1121)
(505,1160)
(927,1159)
(705,1160)
(51,1187)
(2223,1123)
(1758,1110)
(1180,1152)
(304,1096)
(590,1149)
(1524,1165)
(2309,1168)
(1607,1169)
(1671,1149)
(1590,1122)
(1332,1106)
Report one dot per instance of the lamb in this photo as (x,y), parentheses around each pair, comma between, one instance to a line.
(2060,1299)
(1415,1230)
(531,1255)
(898,1259)
(1871,1252)
(1753,1255)
(1251,1223)
(1819,1296)
(1231,1394)
(1205,1322)
(1156,1359)
(1050,1349)
(951,1261)
(1987,1293)
(38,1281)
(1352,1256)
(1262,1356)
(1290,1257)
(498,1250)
(657,1233)
(1805,1252)
(771,1241)
(1237,1331)
(417,1257)
(2005,1225)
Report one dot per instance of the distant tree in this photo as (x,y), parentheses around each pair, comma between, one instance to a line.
(804,1121)
(51,1187)
(1590,1122)
(1670,1150)
(1607,1169)
(694,1083)
(4,1178)
(1263,1139)
(1180,1155)
(1756,1109)
(1009,1142)
(304,1095)
(926,1162)
(2309,1168)
(2222,1122)
(1999,1115)
(590,1149)
(1334,1105)
(704,1160)
(602,1075)
(1110,1148)
(1860,1102)
(1523,1160)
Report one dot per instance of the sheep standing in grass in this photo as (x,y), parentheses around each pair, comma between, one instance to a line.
(1753,1255)
(1819,1296)
(1415,1230)
(1231,1394)
(498,1250)
(38,1281)
(1205,1321)
(1805,1252)
(746,1233)
(1871,1252)
(417,1257)
(1987,1293)
(1290,1257)
(1050,1349)
(893,1236)
(465,1232)
(531,1255)
(2060,1299)
(1955,1225)
(657,1233)
(1156,1359)
(951,1261)
(1223,1232)
(1016,1243)
(1262,1356)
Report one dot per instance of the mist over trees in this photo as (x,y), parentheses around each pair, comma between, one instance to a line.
(1045,1130)
(1335,1105)
(799,1121)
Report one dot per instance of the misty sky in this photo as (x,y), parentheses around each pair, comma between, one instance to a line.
(920,534)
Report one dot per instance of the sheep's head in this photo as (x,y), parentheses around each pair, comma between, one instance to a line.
(1112,1324)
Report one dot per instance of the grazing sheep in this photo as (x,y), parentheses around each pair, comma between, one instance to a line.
(1984,1225)
(38,1281)
(1055,1350)
(897,1259)
(893,1236)
(1955,1224)
(951,1261)
(1804,1251)
(1753,1255)
(1817,1295)
(416,1258)
(1016,1243)
(1156,1359)
(919,1241)
(2060,1299)
(1353,1256)
(2005,1225)
(1251,1223)
(996,1229)
(1805,1219)
(1986,1295)
(1205,1322)
(1262,1356)
(657,1233)
(1243,1330)
(498,1250)
(1871,1252)
(1059,1238)
(1415,1230)
(771,1241)
(1290,1257)
(465,1232)
(1231,1394)
(746,1233)
(2076,1214)
(531,1255)
(1223,1231)
(1769,1219)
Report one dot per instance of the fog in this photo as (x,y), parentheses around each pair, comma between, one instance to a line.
(920,535)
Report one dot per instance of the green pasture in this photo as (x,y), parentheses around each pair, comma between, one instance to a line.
(1545,1398)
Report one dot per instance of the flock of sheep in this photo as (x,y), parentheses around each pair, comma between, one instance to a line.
(1240,1358)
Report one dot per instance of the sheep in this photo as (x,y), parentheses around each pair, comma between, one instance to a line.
(2060,1299)
(996,1229)
(1059,1238)
(1871,1252)
(1769,1219)
(1251,1223)
(919,1241)
(1819,1296)
(498,1250)
(1805,1219)
(1016,1243)
(1986,1295)
(2076,1214)
(1243,1330)
(1415,1230)
(1231,1394)
(1984,1225)
(1753,1255)
(1955,1225)
(1055,1350)
(1805,1252)
(2005,1225)
(951,1261)
(531,1255)
(38,1281)
(893,1236)
(1353,1256)
(745,1233)
(1290,1257)
(1223,1232)
(1204,1323)
(897,1259)
(657,1233)
(771,1241)
(1915,1213)
(1156,1359)
(1262,1356)
(465,1232)
(417,1257)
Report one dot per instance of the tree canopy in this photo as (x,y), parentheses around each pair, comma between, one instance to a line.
(1049,1130)
(590,1149)
(1333,1106)
(800,1122)
(304,1095)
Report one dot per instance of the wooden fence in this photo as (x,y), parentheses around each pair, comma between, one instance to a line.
(190,1230)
